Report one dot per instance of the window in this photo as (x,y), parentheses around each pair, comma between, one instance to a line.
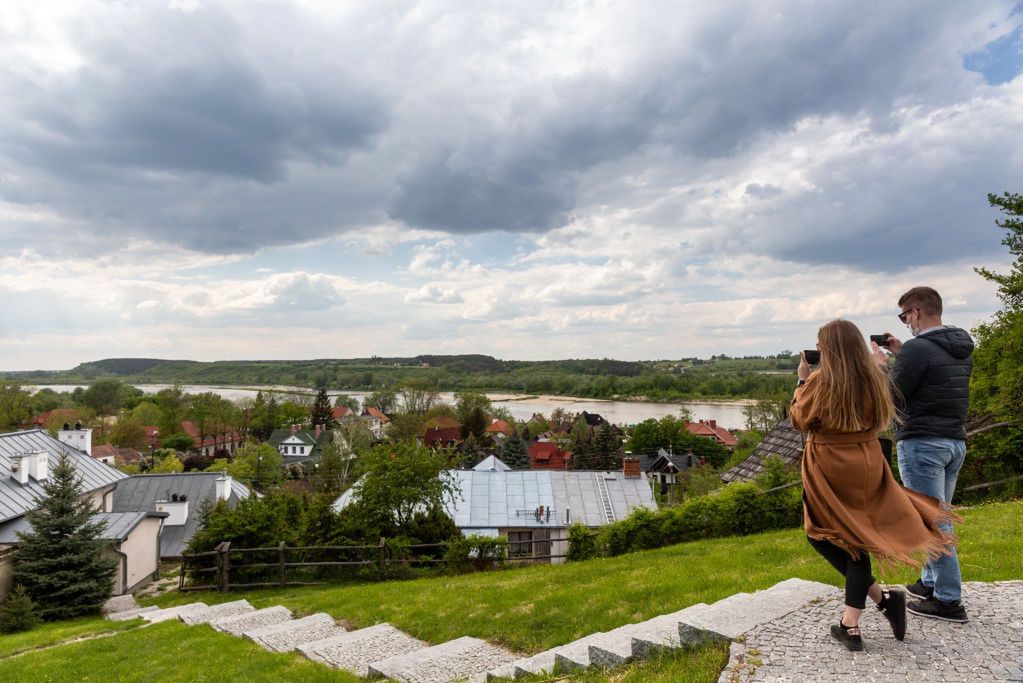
(520,543)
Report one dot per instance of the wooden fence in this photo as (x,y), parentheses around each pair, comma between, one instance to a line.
(225,567)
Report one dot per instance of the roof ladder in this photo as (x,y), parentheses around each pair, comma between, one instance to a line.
(605,498)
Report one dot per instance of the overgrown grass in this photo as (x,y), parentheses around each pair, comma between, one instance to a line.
(57,632)
(527,610)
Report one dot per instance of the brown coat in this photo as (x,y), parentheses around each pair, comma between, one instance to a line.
(851,498)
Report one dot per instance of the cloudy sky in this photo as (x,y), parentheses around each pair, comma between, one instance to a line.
(266,179)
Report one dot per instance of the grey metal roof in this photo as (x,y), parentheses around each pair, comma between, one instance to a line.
(784,441)
(17,499)
(498,499)
(119,526)
(491,462)
(141,491)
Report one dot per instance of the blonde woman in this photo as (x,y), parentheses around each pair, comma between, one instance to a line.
(852,506)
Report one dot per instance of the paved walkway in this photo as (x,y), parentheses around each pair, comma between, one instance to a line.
(799,647)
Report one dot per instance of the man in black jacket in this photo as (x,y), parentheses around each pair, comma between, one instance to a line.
(931,376)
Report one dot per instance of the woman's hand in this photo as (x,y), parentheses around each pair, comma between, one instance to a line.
(803,371)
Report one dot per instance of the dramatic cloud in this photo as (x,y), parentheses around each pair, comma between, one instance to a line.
(610,179)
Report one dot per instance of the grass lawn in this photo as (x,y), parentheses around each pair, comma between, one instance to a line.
(526,610)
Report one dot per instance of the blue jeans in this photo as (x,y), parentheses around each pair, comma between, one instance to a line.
(930,466)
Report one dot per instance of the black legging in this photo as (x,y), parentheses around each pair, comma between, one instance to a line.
(856,572)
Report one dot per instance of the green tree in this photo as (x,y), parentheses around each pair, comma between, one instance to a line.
(349,402)
(168,462)
(398,481)
(173,404)
(178,441)
(128,433)
(764,413)
(514,453)
(291,413)
(60,560)
(18,612)
(334,470)
(105,396)
(147,413)
(260,464)
(322,412)
(14,405)
(384,400)
(418,396)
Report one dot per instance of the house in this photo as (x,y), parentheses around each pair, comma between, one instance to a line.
(300,445)
(784,440)
(664,468)
(112,455)
(545,455)
(534,510)
(378,421)
(54,417)
(181,496)
(26,459)
(499,430)
(592,420)
(212,444)
(710,429)
(442,437)
(371,418)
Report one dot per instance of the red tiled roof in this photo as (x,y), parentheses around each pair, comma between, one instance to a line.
(443,435)
(499,426)
(192,430)
(377,414)
(546,455)
(340,411)
(710,428)
(442,423)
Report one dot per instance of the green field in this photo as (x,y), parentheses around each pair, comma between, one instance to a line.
(526,610)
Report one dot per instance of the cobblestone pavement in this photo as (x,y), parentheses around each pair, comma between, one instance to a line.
(799,647)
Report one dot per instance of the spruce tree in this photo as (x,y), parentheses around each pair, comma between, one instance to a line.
(60,561)
(322,412)
(514,453)
(17,612)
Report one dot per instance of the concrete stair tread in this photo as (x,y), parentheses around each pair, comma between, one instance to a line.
(120,603)
(239,623)
(733,616)
(457,659)
(356,650)
(288,635)
(136,613)
(173,612)
(224,609)
(635,641)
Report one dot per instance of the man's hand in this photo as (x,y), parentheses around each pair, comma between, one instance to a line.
(893,345)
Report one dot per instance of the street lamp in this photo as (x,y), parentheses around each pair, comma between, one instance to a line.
(152,448)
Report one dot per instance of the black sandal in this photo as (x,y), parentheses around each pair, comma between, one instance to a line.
(848,636)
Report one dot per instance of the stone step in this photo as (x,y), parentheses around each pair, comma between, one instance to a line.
(575,653)
(729,618)
(288,635)
(173,612)
(640,640)
(239,623)
(456,660)
(356,650)
(120,603)
(224,609)
(131,613)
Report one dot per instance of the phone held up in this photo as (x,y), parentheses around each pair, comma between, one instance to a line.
(880,339)
(813,356)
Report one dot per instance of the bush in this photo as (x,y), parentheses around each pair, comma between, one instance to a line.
(476,553)
(737,509)
(17,612)
(582,543)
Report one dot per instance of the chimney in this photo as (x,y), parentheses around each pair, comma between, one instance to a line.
(19,468)
(713,424)
(78,437)
(224,486)
(316,431)
(630,468)
(294,428)
(38,465)
(568,516)
(177,511)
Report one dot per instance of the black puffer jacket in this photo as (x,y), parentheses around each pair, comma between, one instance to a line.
(932,375)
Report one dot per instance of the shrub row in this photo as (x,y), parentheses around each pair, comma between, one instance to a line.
(736,509)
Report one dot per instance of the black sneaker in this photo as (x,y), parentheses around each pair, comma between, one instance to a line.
(894,611)
(920,590)
(932,608)
(852,642)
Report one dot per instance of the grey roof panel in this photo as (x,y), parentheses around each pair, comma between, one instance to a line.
(17,499)
(140,493)
(119,525)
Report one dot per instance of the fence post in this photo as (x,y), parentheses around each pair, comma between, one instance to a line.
(280,552)
(224,563)
(383,553)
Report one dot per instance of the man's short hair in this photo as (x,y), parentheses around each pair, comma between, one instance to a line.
(924,298)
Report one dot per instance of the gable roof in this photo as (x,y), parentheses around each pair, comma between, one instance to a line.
(279,436)
(784,441)
(340,411)
(17,499)
(141,491)
(491,462)
(499,426)
(593,419)
(106,450)
(377,413)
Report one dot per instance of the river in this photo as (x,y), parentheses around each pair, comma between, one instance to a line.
(727,413)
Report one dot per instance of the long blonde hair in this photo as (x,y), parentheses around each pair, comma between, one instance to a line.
(853,393)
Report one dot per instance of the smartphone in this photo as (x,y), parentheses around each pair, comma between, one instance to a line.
(813,356)
(880,339)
